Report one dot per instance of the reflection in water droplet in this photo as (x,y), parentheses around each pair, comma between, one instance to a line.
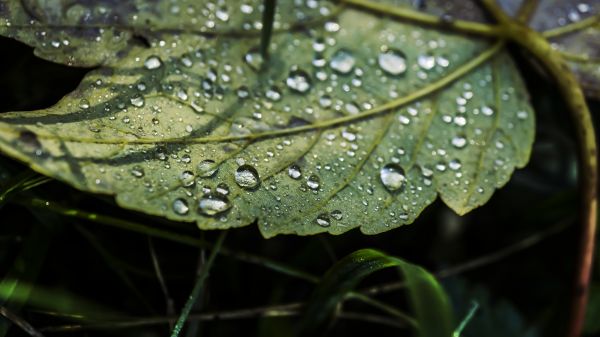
(84,103)
(213,204)
(323,220)
(247,177)
(337,214)
(392,62)
(522,114)
(187,178)
(254,59)
(459,142)
(137,171)
(273,94)
(342,61)
(426,61)
(294,172)
(180,206)
(392,176)
(152,62)
(222,188)
(299,81)
(207,168)
(454,164)
(137,100)
(313,182)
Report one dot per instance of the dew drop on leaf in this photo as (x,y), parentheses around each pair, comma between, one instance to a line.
(342,61)
(152,62)
(137,171)
(337,214)
(392,62)
(313,182)
(180,206)
(294,172)
(222,189)
(213,204)
(392,176)
(298,81)
(207,168)
(459,142)
(247,177)
(426,61)
(323,220)
(187,178)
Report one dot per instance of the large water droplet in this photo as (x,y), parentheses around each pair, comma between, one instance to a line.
(337,214)
(323,220)
(254,59)
(392,62)
(313,182)
(187,178)
(299,81)
(152,62)
(294,172)
(426,61)
(342,61)
(213,204)
(247,177)
(137,171)
(392,176)
(207,168)
(459,142)
(137,100)
(180,206)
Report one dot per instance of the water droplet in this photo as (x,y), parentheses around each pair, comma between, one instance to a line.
(180,206)
(392,62)
(137,171)
(213,204)
(299,81)
(84,103)
(254,59)
(392,176)
(459,142)
(323,220)
(152,62)
(342,61)
(313,182)
(222,188)
(426,61)
(522,114)
(454,164)
(325,101)
(295,172)
(273,94)
(207,168)
(486,110)
(247,177)
(187,178)
(137,100)
(337,214)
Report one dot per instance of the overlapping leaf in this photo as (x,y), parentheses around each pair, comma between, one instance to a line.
(355,121)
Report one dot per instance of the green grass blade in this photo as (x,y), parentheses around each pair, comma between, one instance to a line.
(430,303)
(198,287)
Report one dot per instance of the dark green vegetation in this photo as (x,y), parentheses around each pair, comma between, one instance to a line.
(76,272)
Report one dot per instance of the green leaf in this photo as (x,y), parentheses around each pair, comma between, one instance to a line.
(359,121)
(428,299)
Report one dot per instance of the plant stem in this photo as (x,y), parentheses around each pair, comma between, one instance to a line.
(267,27)
(199,286)
(539,47)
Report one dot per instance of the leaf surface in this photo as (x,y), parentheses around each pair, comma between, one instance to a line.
(356,121)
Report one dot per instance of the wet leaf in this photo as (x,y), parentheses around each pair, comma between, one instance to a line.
(356,121)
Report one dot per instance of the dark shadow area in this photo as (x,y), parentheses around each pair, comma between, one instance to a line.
(29,82)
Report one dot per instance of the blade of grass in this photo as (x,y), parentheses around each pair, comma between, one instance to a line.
(428,299)
(199,286)
(463,324)
(25,269)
